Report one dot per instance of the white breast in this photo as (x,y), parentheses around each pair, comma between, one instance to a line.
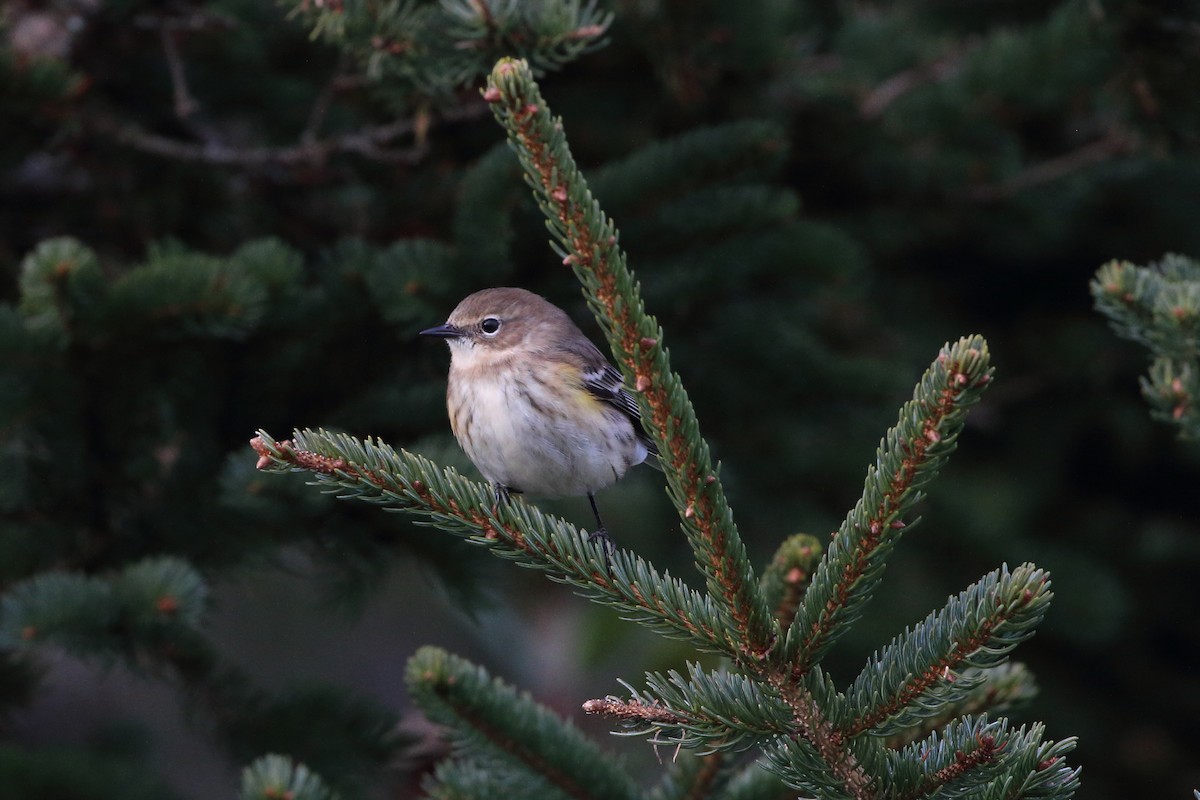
(530,433)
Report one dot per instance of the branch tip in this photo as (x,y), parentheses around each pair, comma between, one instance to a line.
(632,711)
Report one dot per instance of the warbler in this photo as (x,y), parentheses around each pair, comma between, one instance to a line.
(534,404)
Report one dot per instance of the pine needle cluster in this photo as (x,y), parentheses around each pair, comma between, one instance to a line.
(1158,306)
(431,49)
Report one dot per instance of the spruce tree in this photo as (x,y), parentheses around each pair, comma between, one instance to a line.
(226,215)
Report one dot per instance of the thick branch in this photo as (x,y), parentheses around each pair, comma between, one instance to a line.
(822,734)
(185,104)
(371,142)
(1113,145)
(881,97)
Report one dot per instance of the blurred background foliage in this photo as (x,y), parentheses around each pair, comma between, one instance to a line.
(214,221)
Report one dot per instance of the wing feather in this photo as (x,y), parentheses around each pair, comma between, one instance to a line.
(605,382)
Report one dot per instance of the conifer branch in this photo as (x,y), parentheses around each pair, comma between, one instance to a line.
(373,142)
(434,49)
(1158,306)
(786,578)
(276,777)
(964,750)
(921,672)
(185,105)
(909,456)
(970,758)
(375,473)
(150,614)
(490,721)
(1046,773)
(813,711)
(881,97)
(812,735)
(717,711)
(636,712)
(1113,144)
(465,779)
(160,600)
(965,761)
(803,766)
(996,689)
(835,754)
(588,242)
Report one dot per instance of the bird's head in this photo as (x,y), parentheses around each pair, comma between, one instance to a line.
(497,322)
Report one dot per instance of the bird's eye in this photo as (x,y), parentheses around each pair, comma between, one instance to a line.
(490,326)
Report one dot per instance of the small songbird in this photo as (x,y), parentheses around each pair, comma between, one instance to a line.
(535,405)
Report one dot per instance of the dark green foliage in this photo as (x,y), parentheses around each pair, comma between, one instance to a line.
(458,780)
(150,603)
(150,614)
(431,49)
(495,728)
(971,759)
(716,711)
(71,610)
(273,777)
(114,576)
(1158,306)
(30,86)
(814,197)
(356,738)
(720,775)
(974,632)
(67,774)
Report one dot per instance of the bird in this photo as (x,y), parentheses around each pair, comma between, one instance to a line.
(536,406)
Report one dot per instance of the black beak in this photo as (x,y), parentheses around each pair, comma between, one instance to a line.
(446,331)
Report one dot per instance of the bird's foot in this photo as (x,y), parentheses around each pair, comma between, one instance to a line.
(502,497)
(602,535)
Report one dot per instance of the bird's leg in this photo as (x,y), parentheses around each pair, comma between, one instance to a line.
(601,532)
